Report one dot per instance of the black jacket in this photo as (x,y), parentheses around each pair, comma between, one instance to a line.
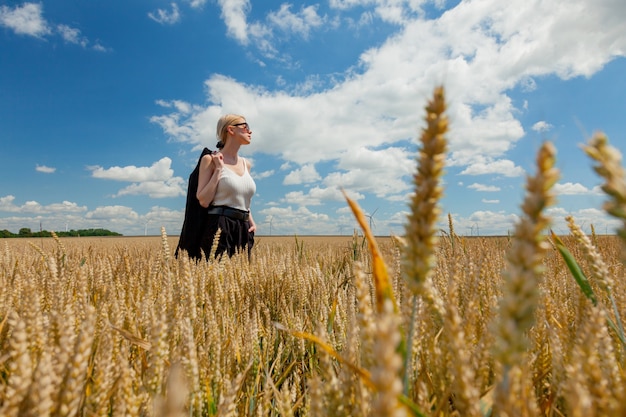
(194,222)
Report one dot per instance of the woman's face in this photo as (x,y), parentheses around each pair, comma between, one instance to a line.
(241,129)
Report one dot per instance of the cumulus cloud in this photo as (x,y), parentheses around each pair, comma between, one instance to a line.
(166,17)
(570,188)
(264,174)
(502,167)
(542,126)
(300,220)
(316,195)
(172,187)
(304,175)
(156,181)
(72,35)
(484,188)
(159,171)
(28,19)
(265,34)
(197,4)
(234,14)
(25,19)
(111,212)
(400,73)
(300,23)
(45,169)
(69,216)
(7,205)
(181,106)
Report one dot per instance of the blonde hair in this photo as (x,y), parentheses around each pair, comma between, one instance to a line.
(225,121)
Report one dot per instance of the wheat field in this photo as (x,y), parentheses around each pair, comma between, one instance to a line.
(429,323)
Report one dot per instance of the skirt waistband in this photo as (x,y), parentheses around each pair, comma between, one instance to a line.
(229,212)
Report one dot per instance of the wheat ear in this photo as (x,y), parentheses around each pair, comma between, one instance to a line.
(610,168)
(522,277)
(20,368)
(421,230)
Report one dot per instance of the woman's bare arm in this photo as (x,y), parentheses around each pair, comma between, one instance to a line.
(210,171)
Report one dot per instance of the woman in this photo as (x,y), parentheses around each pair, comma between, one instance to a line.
(218,196)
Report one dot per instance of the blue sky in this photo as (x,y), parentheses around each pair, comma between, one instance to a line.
(106,105)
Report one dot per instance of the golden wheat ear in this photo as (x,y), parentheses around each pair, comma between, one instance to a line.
(520,293)
(609,166)
(421,228)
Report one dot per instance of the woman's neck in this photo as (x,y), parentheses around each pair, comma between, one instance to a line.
(230,156)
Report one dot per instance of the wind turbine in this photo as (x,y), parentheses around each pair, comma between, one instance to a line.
(271,218)
(371,217)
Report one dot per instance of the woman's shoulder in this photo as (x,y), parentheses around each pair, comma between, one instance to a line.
(207,158)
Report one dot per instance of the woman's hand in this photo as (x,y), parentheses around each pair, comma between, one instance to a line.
(252,227)
(218,160)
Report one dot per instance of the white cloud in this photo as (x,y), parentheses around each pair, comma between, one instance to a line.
(72,35)
(503,167)
(570,188)
(70,216)
(315,196)
(278,26)
(45,169)
(300,23)
(166,17)
(172,187)
(181,106)
(584,218)
(26,19)
(472,54)
(197,4)
(305,175)
(264,174)
(484,200)
(499,222)
(159,171)
(346,4)
(65,207)
(156,181)
(482,187)
(112,212)
(234,15)
(7,205)
(300,221)
(542,126)
(100,48)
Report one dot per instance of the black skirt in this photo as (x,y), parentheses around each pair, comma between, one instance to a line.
(234,236)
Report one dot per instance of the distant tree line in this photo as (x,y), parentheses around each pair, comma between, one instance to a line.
(26,232)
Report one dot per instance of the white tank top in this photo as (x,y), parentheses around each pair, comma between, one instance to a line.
(235,190)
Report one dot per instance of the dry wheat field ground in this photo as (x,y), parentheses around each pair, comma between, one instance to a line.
(429,323)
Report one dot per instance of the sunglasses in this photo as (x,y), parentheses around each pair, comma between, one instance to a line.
(245,125)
